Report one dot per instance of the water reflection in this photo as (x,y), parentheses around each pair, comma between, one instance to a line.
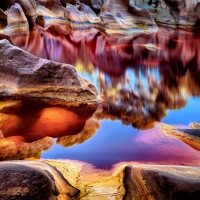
(139,83)
(32,121)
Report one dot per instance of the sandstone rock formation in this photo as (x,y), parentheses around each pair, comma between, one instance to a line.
(14,148)
(161,182)
(189,136)
(125,181)
(117,14)
(120,19)
(183,14)
(17,21)
(30,180)
(24,76)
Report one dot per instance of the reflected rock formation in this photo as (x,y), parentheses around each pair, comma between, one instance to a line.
(139,83)
(32,121)
(13,148)
(89,130)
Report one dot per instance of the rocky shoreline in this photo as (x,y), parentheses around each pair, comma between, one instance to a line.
(60,90)
(109,16)
(54,179)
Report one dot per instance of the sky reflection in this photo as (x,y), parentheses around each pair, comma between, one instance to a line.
(140,86)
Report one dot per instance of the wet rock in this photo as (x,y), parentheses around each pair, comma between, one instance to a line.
(24,76)
(189,136)
(31,179)
(14,148)
(161,182)
(90,128)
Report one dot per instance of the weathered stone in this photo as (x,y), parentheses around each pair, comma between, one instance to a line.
(92,182)
(189,136)
(181,14)
(15,148)
(84,16)
(24,76)
(31,179)
(95,4)
(16,15)
(17,22)
(161,182)
(21,182)
(119,16)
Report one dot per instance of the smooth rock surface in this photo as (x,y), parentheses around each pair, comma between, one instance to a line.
(24,76)
(32,179)
(147,182)
(189,136)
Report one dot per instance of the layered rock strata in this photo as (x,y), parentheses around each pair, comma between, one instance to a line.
(111,16)
(30,180)
(161,182)
(115,16)
(24,76)
(125,181)
(182,14)
(189,136)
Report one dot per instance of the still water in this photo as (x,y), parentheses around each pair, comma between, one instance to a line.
(142,85)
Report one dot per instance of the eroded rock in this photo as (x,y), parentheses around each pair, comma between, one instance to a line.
(172,13)
(161,182)
(16,19)
(189,136)
(24,76)
(32,179)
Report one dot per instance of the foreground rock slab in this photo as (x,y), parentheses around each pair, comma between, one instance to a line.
(161,182)
(124,181)
(33,180)
(24,76)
